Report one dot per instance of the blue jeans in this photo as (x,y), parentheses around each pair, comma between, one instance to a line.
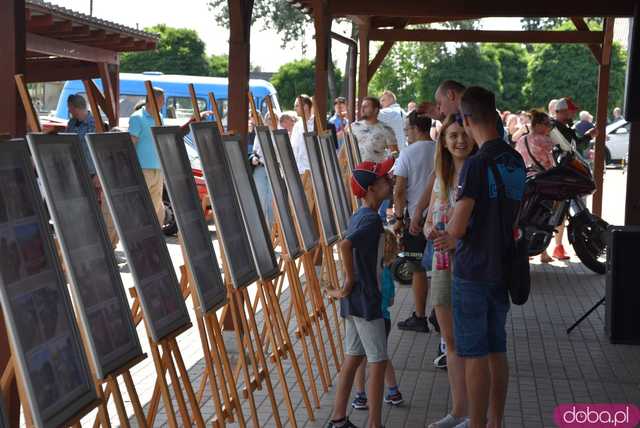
(479,317)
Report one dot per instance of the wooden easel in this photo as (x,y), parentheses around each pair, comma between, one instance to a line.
(306,328)
(325,251)
(111,380)
(170,357)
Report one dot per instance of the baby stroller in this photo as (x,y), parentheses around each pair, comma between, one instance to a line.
(410,255)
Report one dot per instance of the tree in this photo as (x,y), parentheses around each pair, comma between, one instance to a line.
(295,78)
(179,51)
(219,65)
(513,61)
(538,24)
(560,70)
(468,64)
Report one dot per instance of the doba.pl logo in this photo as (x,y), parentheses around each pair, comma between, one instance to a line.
(597,415)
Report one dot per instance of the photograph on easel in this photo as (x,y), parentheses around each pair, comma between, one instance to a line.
(45,340)
(338,193)
(163,306)
(225,206)
(91,266)
(250,209)
(200,254)
(280,194)
(321,189)
(301,211)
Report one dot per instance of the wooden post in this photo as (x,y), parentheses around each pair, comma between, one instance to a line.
(194,103)
(363,39)
(152,105)
(12,117)
(240,12)
(601,115)
(322,23)
(33,121)
(216,113)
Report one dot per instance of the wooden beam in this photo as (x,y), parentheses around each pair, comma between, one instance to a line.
(58,69)
(53,47)
(363,76)
(110,98)
(581,25)
(322,24)
(33,122)
(482,36)
(74,34)
(240,12)
(12,117)
(56,27)
(39,22)
(604,72)
(90,91)
(377,60)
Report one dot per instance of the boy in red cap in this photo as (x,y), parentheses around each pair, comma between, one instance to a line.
(360,296)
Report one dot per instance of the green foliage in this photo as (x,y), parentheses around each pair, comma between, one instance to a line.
(468,64)
(219,65)
(537,24)
(295,78)
(512,59)
(179,51)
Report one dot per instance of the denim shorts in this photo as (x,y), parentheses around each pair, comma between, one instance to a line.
(479,317)
(427,257)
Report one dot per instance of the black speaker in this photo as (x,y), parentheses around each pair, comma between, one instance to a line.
(622,317)
(632,102)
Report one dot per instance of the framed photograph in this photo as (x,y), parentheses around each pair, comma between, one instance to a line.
(91,265)
(280,193)
(45,341)
(321,189)
(338,193)
(201,256)
(229,225)
(128,198)
(297,196)
(252,215)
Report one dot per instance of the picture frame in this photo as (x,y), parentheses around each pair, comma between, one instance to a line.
(229,225)
(252,215)
(50,360)
(338,194)
(298,198)
(96,285)
(321,190)
(279,191)
(180,185)
(127,195)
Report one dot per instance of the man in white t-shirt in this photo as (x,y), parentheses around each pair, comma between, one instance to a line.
(412,171)
(393,116)
(375,139)
(297,134)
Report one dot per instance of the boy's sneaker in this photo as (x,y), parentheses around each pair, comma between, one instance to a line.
(394,399)
(440,362)
(345,423)
(434,321)
(360,402)
(414,323)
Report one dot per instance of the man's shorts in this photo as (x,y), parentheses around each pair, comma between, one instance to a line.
(479,317)
(414,244)
(365,338)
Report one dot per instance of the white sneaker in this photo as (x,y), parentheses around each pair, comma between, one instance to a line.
(448,421)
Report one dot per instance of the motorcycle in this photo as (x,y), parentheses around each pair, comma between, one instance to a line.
(557,193)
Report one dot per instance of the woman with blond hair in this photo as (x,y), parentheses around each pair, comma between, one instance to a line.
(453,148)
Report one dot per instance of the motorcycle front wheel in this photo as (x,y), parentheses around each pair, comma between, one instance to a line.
(588,235)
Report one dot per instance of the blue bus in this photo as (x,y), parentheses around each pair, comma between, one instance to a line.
(176,91)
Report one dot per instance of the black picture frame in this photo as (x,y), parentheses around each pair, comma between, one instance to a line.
(280,193)
(337,191)
(229,225)
(46,345)
(298,198)
(252,215)
(96,285)
(321,189)
(127,196)
(181,187)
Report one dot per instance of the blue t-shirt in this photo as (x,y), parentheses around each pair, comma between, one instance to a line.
(366,234)
(140,123)
(388,291)
(479,254)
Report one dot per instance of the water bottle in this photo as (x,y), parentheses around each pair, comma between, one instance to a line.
(442,256)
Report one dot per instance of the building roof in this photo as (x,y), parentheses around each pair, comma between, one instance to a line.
(57,22)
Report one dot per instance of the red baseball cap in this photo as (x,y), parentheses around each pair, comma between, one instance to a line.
(366,173)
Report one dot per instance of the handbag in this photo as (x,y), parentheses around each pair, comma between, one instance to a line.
(515,266)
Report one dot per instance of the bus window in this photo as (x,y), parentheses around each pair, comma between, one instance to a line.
(181,108)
